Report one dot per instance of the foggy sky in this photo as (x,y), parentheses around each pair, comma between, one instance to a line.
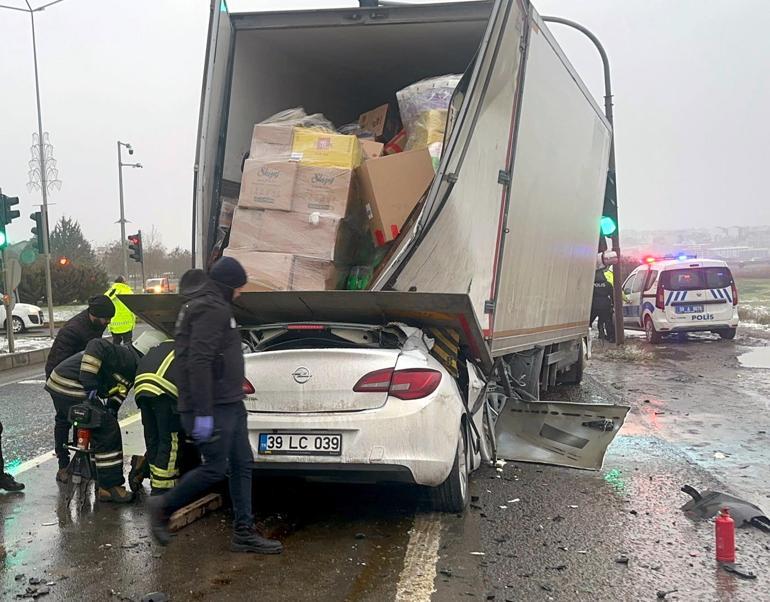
(691,106)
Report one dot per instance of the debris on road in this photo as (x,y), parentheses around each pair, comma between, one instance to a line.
(622,559)
(662,594)
(707,505)
(738,570)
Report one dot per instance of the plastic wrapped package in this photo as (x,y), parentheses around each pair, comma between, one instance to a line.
(311,235)
(325,149)
(286,272)
(424,106)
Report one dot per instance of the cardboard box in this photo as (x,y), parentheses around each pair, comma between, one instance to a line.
(271,142)
(267,185)
(325,149)
(310,274)
(285,272)
(383,122)
(371,149)
(265,271)
(311,235)
(391,187)
(326,190)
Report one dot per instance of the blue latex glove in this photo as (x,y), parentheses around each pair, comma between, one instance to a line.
(93,395)
(203,428)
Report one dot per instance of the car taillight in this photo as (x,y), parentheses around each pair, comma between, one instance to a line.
(660,297)
(248,388)
(413,383)
(735,294)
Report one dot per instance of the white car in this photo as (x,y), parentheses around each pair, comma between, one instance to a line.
(24,315)
(361,403)
(680,295)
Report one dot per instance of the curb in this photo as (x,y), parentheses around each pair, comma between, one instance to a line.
(9,361)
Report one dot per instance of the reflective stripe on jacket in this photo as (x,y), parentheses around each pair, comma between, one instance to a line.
(156,375)
(124,320)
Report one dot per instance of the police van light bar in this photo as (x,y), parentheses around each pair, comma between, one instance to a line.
(649,259)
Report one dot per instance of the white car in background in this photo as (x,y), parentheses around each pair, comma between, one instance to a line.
(358,403)
(24,315)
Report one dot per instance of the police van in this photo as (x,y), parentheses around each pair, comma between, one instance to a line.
(682,294)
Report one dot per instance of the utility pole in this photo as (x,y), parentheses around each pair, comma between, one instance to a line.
(617,292)
(43,185)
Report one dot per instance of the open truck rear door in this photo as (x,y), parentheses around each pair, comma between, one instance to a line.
(561,433)
(212,125)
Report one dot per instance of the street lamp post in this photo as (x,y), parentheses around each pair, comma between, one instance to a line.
(122,220)
(41,146)
(617,284)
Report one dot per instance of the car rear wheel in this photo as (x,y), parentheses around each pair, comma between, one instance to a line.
(652,335)
(452,494)
(728,333)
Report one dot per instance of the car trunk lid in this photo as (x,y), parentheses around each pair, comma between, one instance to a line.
(315,380)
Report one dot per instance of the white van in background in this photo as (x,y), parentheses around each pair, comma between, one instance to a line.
(681,295)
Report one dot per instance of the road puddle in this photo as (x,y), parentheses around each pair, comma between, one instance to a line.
(758,358)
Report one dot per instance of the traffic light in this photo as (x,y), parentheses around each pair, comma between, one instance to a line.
(608,225)
(7,215)
(38,231)
(135,244)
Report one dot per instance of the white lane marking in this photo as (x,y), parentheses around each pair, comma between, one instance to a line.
(16,382)
(31,382)
(415,584)
(34,462)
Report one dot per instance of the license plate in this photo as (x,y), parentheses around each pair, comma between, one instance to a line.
(300,444)
(689,309)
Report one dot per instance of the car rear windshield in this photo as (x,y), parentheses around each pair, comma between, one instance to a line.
(691,279)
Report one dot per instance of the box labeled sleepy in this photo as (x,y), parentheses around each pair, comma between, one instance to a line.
(326,190)
(267,185)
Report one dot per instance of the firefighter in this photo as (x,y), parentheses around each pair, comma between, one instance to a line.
(601,305)
(123,322)
(7,482)
(211,374)
(156,394)
(102,375)
(73,337)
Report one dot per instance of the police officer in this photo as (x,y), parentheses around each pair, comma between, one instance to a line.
(211,374)
(7,482)
(73,337)
(601,306)
(123,322)
(156,394)
(102,372)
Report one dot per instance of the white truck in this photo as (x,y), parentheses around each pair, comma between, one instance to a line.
(503,249)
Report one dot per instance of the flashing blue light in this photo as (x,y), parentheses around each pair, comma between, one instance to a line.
(682,257)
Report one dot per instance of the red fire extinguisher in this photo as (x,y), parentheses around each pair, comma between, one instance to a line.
(725,534)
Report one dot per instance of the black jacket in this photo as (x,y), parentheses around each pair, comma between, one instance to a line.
(157,373)
(208,356)
(71,339)
(103,367)
(602,298)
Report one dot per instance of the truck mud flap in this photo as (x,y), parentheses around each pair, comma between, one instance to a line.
(570,434)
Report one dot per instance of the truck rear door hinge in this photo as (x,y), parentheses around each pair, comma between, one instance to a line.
(489,306)
(503,177)
(451,178)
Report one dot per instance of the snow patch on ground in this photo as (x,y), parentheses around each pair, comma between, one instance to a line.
(26,343)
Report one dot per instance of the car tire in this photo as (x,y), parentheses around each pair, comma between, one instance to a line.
(452,495)
(652,335)
(18,325)
(728,333)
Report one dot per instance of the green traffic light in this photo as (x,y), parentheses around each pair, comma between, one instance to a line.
(607,226)
(3,239)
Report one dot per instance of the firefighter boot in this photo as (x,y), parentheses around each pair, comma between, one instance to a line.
(8,483)
(246,539)
(117,495)
(138,473)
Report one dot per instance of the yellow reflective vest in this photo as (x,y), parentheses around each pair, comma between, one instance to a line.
(123,321)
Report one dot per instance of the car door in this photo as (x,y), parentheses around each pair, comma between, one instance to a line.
(630,301)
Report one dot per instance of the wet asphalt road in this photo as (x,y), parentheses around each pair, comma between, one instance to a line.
(557,538)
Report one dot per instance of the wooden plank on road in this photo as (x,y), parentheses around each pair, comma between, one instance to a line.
(192,512)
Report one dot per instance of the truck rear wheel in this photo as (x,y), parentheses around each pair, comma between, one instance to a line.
(652,335)
(452,495)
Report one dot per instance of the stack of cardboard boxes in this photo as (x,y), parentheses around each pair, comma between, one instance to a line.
(312,202)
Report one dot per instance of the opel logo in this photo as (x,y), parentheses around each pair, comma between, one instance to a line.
(301,375)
